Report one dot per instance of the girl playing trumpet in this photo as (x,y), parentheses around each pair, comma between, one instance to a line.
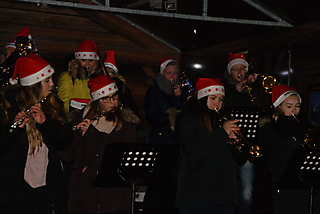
(118,126)
(207,181)
(281,138)
(31,175)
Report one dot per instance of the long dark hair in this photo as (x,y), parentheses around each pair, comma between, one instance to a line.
(208,117)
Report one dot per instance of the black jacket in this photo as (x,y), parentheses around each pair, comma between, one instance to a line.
(208,173)
(15,194)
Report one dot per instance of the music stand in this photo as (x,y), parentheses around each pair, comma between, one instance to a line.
(128,164)
(249,122)
(302,172)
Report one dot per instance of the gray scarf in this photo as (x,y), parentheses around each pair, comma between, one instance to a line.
(165,85)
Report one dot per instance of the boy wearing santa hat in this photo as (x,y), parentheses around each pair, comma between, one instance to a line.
(242,92)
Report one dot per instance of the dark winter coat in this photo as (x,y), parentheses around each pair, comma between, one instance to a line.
(16,196)
(87,151)
(156,105)
(282,140)
(208,173)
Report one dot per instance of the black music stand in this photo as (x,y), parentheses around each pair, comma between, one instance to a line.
(302,172)
(128,164)
(249,122)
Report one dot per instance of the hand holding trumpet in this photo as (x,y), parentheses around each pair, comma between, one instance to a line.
(231,127)
(250,79)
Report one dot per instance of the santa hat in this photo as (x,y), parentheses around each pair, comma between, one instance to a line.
(206,86)
(110,61)
(87,49)
(23,32)
(79,103)
(32,69)
(165,62)
(234,59)
(281,92)
(101,86)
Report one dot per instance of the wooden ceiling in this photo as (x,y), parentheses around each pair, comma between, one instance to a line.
(141,40)
(57,31)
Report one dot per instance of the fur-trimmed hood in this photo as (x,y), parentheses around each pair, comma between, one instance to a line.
(129,116)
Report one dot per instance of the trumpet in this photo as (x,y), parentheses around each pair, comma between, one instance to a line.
(74,128)
(311,138)
(241,141)
(28,112)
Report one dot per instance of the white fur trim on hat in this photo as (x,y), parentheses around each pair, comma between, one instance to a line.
(77,105)
(105,91)
(10,45)
(37,77)
(109,65)
(215,89)
(237,61)
(86,55)
(165,63)
(284,96)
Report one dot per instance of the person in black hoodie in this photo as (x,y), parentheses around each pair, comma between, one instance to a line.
(207,181)
(281,138)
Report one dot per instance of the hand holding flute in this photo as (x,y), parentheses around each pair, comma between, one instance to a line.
(84,125)
(22,117)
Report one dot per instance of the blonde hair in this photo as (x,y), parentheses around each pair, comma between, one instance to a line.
(27,96)
(77,72)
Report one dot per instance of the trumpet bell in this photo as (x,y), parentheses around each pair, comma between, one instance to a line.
(24,45)
(268,81)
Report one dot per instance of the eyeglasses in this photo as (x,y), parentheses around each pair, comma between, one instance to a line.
(107,99)
(239,69)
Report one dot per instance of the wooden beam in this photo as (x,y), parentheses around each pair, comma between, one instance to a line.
(149,72)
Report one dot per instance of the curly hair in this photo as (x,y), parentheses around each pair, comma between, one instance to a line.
(77,72)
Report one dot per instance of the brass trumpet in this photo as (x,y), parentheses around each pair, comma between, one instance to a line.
(311,138)
(24,46)
(241,141)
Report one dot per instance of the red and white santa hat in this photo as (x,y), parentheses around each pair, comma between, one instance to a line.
(87,49)
(79,103)
(32,69)
(281,92)
(110,61)
(207,86)
(23,32)
(234,59)
(101,86)
(165,62)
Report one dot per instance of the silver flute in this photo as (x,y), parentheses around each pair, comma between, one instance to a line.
(28,112)
(74,128)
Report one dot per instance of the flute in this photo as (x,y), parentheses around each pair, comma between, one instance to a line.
(74,128)
(28,112)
